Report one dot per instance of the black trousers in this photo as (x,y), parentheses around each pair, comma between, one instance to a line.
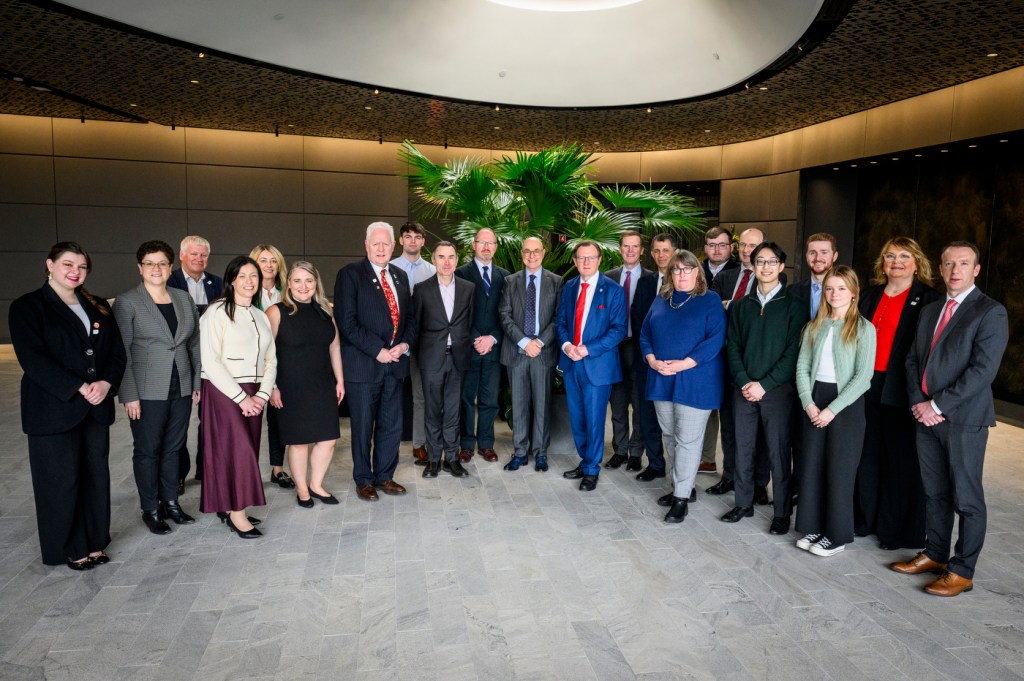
(375,416)
(952,457)
(649,426)
(71,485)
(159,434)
(274,446)
(625,396)
(727,426)
(480,387)
(772,415)
(442,397)
(184,458)
(828,468)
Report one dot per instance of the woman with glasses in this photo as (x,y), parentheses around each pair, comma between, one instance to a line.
(160,329)
(889,500)
(681,340)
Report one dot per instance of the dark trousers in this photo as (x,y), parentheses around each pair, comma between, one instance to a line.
(625,396)
(71,485)
(480,388)
(901,504)
(274,446)
(588,409)
(727,426)
(159,434)
(772,414)
(530,379)
(828,468)
(442,390)
(184,458)
(649,427)
(952,457)
(375,416)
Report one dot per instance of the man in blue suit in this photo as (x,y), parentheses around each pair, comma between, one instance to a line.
(591,324)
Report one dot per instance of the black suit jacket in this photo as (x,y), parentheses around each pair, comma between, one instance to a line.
(214,286)
(729,265)
(726,281)
(615,275)
(485,306)
(512,312)
(964,361)
(364,321)
(802,291)
(435,327)
(646,292)
(58,356)
(894,389)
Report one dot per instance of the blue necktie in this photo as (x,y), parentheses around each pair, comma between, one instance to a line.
(487,281)
(815,298)
(530,322)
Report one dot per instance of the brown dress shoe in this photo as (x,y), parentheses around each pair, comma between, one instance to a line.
(949,584)
(391,487)
(707,467)
(420,454)
(465,455)
(916,565)
(488,455)
(367,492)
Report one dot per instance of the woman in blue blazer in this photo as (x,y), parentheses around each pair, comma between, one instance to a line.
(69,347)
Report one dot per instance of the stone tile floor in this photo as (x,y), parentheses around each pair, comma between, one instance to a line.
(496,576)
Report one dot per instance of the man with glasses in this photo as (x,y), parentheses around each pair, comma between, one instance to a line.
(591,324)
(763,341)
(482,380)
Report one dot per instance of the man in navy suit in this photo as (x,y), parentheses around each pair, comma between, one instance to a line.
(377,323)
(590,325)
(204,289)
(482,381)
(955,357)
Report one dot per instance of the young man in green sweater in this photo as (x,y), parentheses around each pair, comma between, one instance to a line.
(762,347)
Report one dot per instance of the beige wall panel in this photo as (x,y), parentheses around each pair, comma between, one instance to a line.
(25,135)
(234,233)
(351,194)
(681,164)
(621,167)
(244,189)
(915,122)
(120,230)
(784,196)
(126,141)
(989,105)
(92,182)
(28,226)
(235,148)
(747,159)
(746,200)
(784,233)
(835,140)
(355,156)
(787,151)
(23,272)
(26,179)
(341,234)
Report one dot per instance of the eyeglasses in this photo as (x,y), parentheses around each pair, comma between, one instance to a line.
(771,262)
(586,258)
(903,257)
(533,252)
(485,243)
(716,246)
(163,264)
(687,270)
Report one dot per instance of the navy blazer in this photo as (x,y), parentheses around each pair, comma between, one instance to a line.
(364,321)
(964,362)
(58,356)
(604,330)
(214,285)
(435,327)
(485,305)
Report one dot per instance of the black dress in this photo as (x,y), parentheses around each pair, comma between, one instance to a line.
(304,376)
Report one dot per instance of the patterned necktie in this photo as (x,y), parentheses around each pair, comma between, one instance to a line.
(947,314)
(487,281)
(626,285)
(741,290)
(581,303)
(392,302)
(530,321)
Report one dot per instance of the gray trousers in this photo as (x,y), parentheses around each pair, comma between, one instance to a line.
(419,436)
(626,395)
(530,380)
(682,429)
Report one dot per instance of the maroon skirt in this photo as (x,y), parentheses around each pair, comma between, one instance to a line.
(231,449)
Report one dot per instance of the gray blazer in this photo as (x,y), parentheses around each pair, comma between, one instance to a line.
(512,315)
(151,349)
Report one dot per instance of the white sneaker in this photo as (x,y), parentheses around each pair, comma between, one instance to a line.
(808,539)
(826,548)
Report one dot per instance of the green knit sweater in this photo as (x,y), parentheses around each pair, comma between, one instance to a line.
(854,363)
(762,343)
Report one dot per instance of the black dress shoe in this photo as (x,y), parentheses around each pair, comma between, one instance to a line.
(780,525)
(172,510)
(328,498)
(574,474)
(588,483)
(616,461)
(723,486)
(224,516)
(886,546)
(667,500)
(155,523)
(81,565)
(304,503)
(540,463)
(431,468)
(181,487)
(455,468)
(737,514)
(649,474)
(282,479)
(761,496)
(633,463)
(677,513)
(693,495)
(515,462)
(244,534)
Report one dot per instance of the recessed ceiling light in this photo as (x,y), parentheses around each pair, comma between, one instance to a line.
(972,146)
(497,127)
(376,91)
(853,165)
(835,168)
(992,54)
(133,105)
(368,107)
(290,125)
(194,81)
(707,129)
(201,55)
(763,87)
(497,108)
(943,151)
(917,155)
(1004,140)
(648,109)
(895,158)
(874,163)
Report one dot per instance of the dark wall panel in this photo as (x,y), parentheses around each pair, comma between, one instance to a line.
(235,233)
(120,230)
(26,179)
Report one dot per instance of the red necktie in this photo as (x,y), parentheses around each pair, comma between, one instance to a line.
(626,286)
(392,303)
(741,290)
(947,314)
(581,303)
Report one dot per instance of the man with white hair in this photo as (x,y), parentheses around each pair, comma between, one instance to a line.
(377,323)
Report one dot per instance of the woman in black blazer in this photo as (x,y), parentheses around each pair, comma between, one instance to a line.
(71,352)
(889,500)
(160,330)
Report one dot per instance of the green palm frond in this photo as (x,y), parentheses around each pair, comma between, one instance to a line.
(663,210)
(602,227)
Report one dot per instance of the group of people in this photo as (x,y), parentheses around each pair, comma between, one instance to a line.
(868,411)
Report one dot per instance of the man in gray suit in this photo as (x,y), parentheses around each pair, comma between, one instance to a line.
(529,301)
(950,369)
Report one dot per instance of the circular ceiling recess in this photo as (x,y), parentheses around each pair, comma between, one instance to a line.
(540,53)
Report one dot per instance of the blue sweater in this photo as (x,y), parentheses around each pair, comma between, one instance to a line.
(695,330)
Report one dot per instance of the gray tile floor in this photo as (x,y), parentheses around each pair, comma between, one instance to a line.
(496,576)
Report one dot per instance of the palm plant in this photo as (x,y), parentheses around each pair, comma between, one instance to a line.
(546,194)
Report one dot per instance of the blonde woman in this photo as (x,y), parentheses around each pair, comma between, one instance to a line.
(310,383)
